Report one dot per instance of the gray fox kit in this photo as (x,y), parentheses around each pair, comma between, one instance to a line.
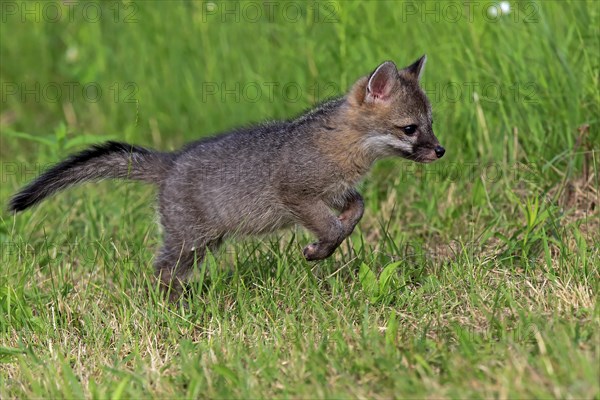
(259,179)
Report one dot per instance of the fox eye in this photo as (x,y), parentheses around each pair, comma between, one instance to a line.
(409,130)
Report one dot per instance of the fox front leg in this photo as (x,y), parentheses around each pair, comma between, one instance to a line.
(330,231)
(349,216)
(352,212)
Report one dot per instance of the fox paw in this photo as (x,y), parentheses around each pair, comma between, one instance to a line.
(310,251)
(317,251)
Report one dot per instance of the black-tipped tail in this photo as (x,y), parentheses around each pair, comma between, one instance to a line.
(107,160)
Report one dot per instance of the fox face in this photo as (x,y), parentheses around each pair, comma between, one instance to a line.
(393,114)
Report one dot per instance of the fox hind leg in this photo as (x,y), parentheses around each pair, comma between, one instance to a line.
(175,262)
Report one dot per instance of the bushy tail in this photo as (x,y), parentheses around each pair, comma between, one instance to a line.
(107,160)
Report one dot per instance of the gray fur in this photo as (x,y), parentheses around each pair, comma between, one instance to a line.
(263,178)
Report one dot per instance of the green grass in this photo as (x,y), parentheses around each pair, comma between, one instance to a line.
(476,276)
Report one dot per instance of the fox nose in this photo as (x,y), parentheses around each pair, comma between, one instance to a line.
(439,151)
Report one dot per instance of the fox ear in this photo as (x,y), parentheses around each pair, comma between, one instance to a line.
(381,82)
(415,70)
